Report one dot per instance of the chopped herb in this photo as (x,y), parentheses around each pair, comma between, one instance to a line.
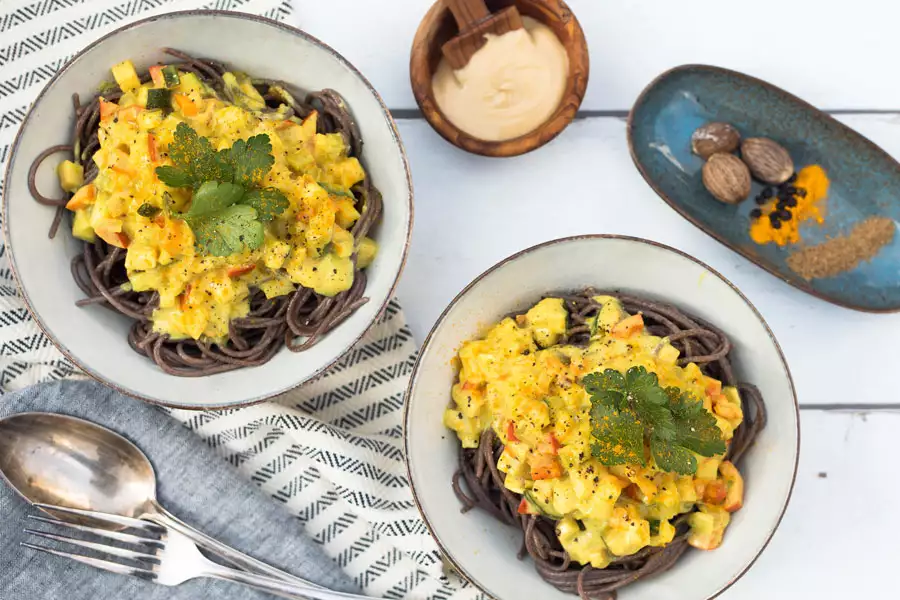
(633,409)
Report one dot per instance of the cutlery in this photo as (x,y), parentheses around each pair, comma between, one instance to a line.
(151,551)
(73,463)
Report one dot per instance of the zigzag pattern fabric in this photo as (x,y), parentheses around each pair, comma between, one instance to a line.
(331,452)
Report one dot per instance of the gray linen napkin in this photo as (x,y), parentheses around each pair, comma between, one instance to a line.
(193,483)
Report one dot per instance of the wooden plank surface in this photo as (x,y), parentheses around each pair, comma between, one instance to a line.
(833,543)
(472,212)
(834,54)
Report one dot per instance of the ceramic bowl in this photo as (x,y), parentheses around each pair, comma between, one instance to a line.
(95,338)
(482,549)
(865,180)
(438,27)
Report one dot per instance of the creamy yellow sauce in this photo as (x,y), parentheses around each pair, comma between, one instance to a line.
(510,86)
(521,382)
(308,245)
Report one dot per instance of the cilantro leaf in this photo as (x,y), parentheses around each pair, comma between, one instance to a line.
(669,457)
(195,156)
(173,176)
(213,196)
(268,202)
(251,159)
(618,436)
(696,428)
(629,409)
(644,386)
(227,231)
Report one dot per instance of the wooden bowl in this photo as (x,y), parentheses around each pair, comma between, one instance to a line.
(438,27)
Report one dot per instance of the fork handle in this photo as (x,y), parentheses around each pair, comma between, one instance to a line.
(278,586)
(163,517)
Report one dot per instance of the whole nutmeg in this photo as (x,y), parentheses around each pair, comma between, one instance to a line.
(727,178)
(713,138)
(768,160)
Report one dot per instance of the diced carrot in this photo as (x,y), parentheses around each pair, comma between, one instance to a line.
(238,271)
(107,109)
(511,432)
(715,492)
(156,75)
(713,387)
(151,148)
(628,327)
(124,241)
(545,467)
(186,105)
(123,169)
(525,508)
(549,446)
(130,113)
(468,386)
(160,220)
(83,198)
(285,124)
(185,297)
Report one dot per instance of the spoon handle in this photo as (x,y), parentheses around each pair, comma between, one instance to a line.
(163,517)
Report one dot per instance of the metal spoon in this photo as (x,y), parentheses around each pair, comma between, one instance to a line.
(66,461)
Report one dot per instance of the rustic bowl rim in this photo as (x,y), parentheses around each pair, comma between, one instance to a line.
(240,16)
(797,284)
(576,87)
(440,321)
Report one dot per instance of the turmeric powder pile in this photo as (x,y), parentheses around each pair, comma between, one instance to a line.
(779,218)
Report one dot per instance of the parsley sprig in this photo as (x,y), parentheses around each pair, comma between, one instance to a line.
(228,206)
(633,409)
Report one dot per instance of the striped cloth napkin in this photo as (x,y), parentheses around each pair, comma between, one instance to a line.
(331,452)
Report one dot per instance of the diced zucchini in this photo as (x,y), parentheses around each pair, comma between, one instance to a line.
(159,98)
(170,75)
(126,76)
(81,225)
(71,176)
(366,252)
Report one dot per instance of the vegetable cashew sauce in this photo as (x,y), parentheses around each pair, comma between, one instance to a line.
(511,86)
(607,428)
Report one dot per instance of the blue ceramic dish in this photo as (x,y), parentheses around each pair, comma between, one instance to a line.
(865,180)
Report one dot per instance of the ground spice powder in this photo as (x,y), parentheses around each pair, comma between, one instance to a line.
(845,252)
(809,207)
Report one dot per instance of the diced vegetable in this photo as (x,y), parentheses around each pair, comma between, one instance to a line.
(170,75)
(151,148)
(71,176)
(242,270)
(156,74)
(545,467)
(366,252)
(511,432)
(126,76)
(81,225)
(628,327)
(130,113)
(107,109)
(186,105)
(83,198)
(148,210)
(159,98)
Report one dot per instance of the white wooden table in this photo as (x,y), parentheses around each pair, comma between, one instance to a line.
(473,211)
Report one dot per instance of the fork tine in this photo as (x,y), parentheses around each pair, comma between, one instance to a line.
(111,550)
(97,562)
(104,533)
(108,517)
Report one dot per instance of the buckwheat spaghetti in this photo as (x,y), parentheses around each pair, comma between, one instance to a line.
(296,320)
(478,483)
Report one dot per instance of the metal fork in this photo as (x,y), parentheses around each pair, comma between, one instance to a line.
(161,555)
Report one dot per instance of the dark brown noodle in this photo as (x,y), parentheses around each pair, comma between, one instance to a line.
(297,320)
(479,484)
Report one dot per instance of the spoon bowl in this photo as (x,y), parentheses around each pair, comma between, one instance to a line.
(66,461)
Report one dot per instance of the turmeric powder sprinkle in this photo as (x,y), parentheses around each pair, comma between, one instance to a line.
(779,222)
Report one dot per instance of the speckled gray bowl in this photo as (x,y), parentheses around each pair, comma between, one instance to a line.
(95,338)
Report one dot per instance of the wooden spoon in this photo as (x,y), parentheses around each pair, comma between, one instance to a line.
(475,20)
